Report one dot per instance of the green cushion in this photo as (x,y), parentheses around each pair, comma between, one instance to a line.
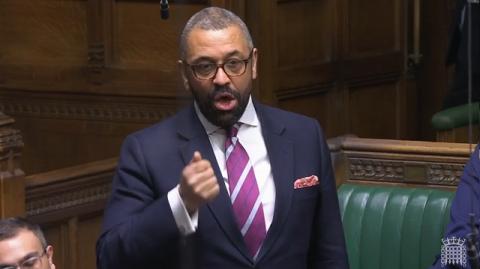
(393,227)
(455,117)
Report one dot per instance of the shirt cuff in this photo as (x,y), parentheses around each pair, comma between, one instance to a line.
(186,224)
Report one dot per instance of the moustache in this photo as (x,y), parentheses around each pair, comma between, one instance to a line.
(224,90)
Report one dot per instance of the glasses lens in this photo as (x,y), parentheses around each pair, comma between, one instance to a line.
(234,67)
(204,70)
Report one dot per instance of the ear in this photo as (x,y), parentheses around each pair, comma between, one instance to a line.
(254,63)
(182,69)
(49,251)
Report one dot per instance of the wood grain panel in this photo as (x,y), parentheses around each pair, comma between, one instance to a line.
(89,229)
(49,32)
(374,27)
(306,46)
(374,110)
(306,32)
(312,102)
(65,130)
(145,40)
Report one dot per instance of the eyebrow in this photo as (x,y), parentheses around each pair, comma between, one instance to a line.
(26,257)
(206,58)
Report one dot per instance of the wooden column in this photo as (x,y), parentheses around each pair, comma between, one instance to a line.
(12,184)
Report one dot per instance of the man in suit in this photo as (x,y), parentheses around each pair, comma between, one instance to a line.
(227,182)
(23,245)
(457,54)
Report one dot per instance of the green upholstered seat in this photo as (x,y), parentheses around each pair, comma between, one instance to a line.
(393,227)
(455,117)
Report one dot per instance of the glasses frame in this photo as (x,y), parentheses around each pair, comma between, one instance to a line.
(245,62)
(21,265)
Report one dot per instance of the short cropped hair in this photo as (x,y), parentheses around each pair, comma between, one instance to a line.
(11,227)
(212,18)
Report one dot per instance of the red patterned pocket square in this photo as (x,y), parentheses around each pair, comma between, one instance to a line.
(305,182)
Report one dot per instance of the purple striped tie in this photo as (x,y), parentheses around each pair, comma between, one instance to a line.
(244,193)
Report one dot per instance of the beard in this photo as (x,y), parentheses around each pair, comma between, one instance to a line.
(223,119)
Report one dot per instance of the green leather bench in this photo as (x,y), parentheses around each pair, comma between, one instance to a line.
(390,227)
(451,124)
(455,117)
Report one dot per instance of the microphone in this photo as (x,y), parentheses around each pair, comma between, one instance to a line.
(164,12)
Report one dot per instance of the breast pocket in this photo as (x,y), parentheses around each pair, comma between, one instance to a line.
(311,192)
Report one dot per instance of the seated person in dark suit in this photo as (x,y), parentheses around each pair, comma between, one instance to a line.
(465,203)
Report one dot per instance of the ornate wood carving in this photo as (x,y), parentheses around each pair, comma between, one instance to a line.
(371,169)
(405,171)
(59,200)
(444,174)
(11,176)
(70,190)
(88,110)
(100,32)
(399,162)
(96,58)
(10,148)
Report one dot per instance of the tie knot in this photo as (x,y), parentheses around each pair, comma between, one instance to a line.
(233,131)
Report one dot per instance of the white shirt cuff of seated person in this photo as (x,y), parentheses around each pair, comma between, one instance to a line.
(186,224)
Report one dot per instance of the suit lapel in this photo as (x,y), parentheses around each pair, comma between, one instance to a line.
(280,153)
(191,129)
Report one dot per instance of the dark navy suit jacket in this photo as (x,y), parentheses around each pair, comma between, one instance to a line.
(139,229)
(466,201)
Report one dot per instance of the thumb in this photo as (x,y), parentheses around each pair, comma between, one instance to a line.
(196,157)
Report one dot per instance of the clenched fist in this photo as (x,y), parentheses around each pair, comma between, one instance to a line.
(198,184)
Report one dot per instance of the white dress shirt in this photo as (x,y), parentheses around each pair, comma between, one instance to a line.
(251,138)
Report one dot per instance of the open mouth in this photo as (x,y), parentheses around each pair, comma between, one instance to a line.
(225,101)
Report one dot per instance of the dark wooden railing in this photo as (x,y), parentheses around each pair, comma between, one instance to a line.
(68,203)
(399,162)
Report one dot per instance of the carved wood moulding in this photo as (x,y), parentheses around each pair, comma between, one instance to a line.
(87,110)
(11,144)
(62,200)
(96,57)
(67,190)
(405,171)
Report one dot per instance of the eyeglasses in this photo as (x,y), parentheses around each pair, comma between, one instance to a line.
(33,262)
(232,67)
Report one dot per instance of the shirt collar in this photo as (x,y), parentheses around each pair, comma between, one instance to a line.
(249,117)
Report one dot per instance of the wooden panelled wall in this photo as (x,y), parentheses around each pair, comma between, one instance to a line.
(78,75)
(342,62)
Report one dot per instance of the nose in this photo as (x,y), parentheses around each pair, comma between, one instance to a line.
(221,78)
